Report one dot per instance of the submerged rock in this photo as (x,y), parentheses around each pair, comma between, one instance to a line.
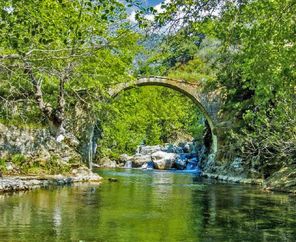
(111,179)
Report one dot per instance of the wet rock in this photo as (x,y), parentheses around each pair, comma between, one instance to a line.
(188,147)
(162,157)
(148,165)
(181,163)
(163,160)
(106,162)
(124,158)
(10,184)
(140,160)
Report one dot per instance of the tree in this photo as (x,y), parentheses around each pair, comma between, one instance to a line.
(255,70)
(54,49)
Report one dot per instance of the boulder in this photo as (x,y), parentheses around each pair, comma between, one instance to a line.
(140,160)
(148,150)
(180,164)
(124,158)
(80,172)
(106,162)
(188,147)
(170,148)
(163,160)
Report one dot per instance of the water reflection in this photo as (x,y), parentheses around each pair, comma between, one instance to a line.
(148,206)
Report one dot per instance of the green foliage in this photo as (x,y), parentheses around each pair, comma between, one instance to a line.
(153,115)
(253,64)
(2,164)
(87,44)
(35,166)
(259,78)
(194,71)
(18,159)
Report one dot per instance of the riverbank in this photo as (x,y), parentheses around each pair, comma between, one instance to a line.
(24,183)
(233,179)
(282,181)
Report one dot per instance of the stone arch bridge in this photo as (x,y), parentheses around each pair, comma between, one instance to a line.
(207,102)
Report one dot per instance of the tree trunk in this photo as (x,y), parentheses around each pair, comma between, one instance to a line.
(55,116)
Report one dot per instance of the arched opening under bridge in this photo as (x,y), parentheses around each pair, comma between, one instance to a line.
(190,90)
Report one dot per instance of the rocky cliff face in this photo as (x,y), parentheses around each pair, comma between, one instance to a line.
(35,147)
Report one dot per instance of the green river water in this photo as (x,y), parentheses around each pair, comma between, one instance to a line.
(148,206)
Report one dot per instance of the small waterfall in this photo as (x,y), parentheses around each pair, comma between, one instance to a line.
(128,164)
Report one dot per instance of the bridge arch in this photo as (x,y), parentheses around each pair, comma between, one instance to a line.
(190,90)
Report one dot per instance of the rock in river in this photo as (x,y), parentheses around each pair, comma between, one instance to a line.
(148,165)
(163,160)
(140,160)
(192,164)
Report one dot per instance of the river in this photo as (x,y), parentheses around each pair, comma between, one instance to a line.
(148,206)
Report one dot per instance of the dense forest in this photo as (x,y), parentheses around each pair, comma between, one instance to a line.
(58,58)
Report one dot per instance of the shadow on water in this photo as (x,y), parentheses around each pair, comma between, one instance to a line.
(148,206)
